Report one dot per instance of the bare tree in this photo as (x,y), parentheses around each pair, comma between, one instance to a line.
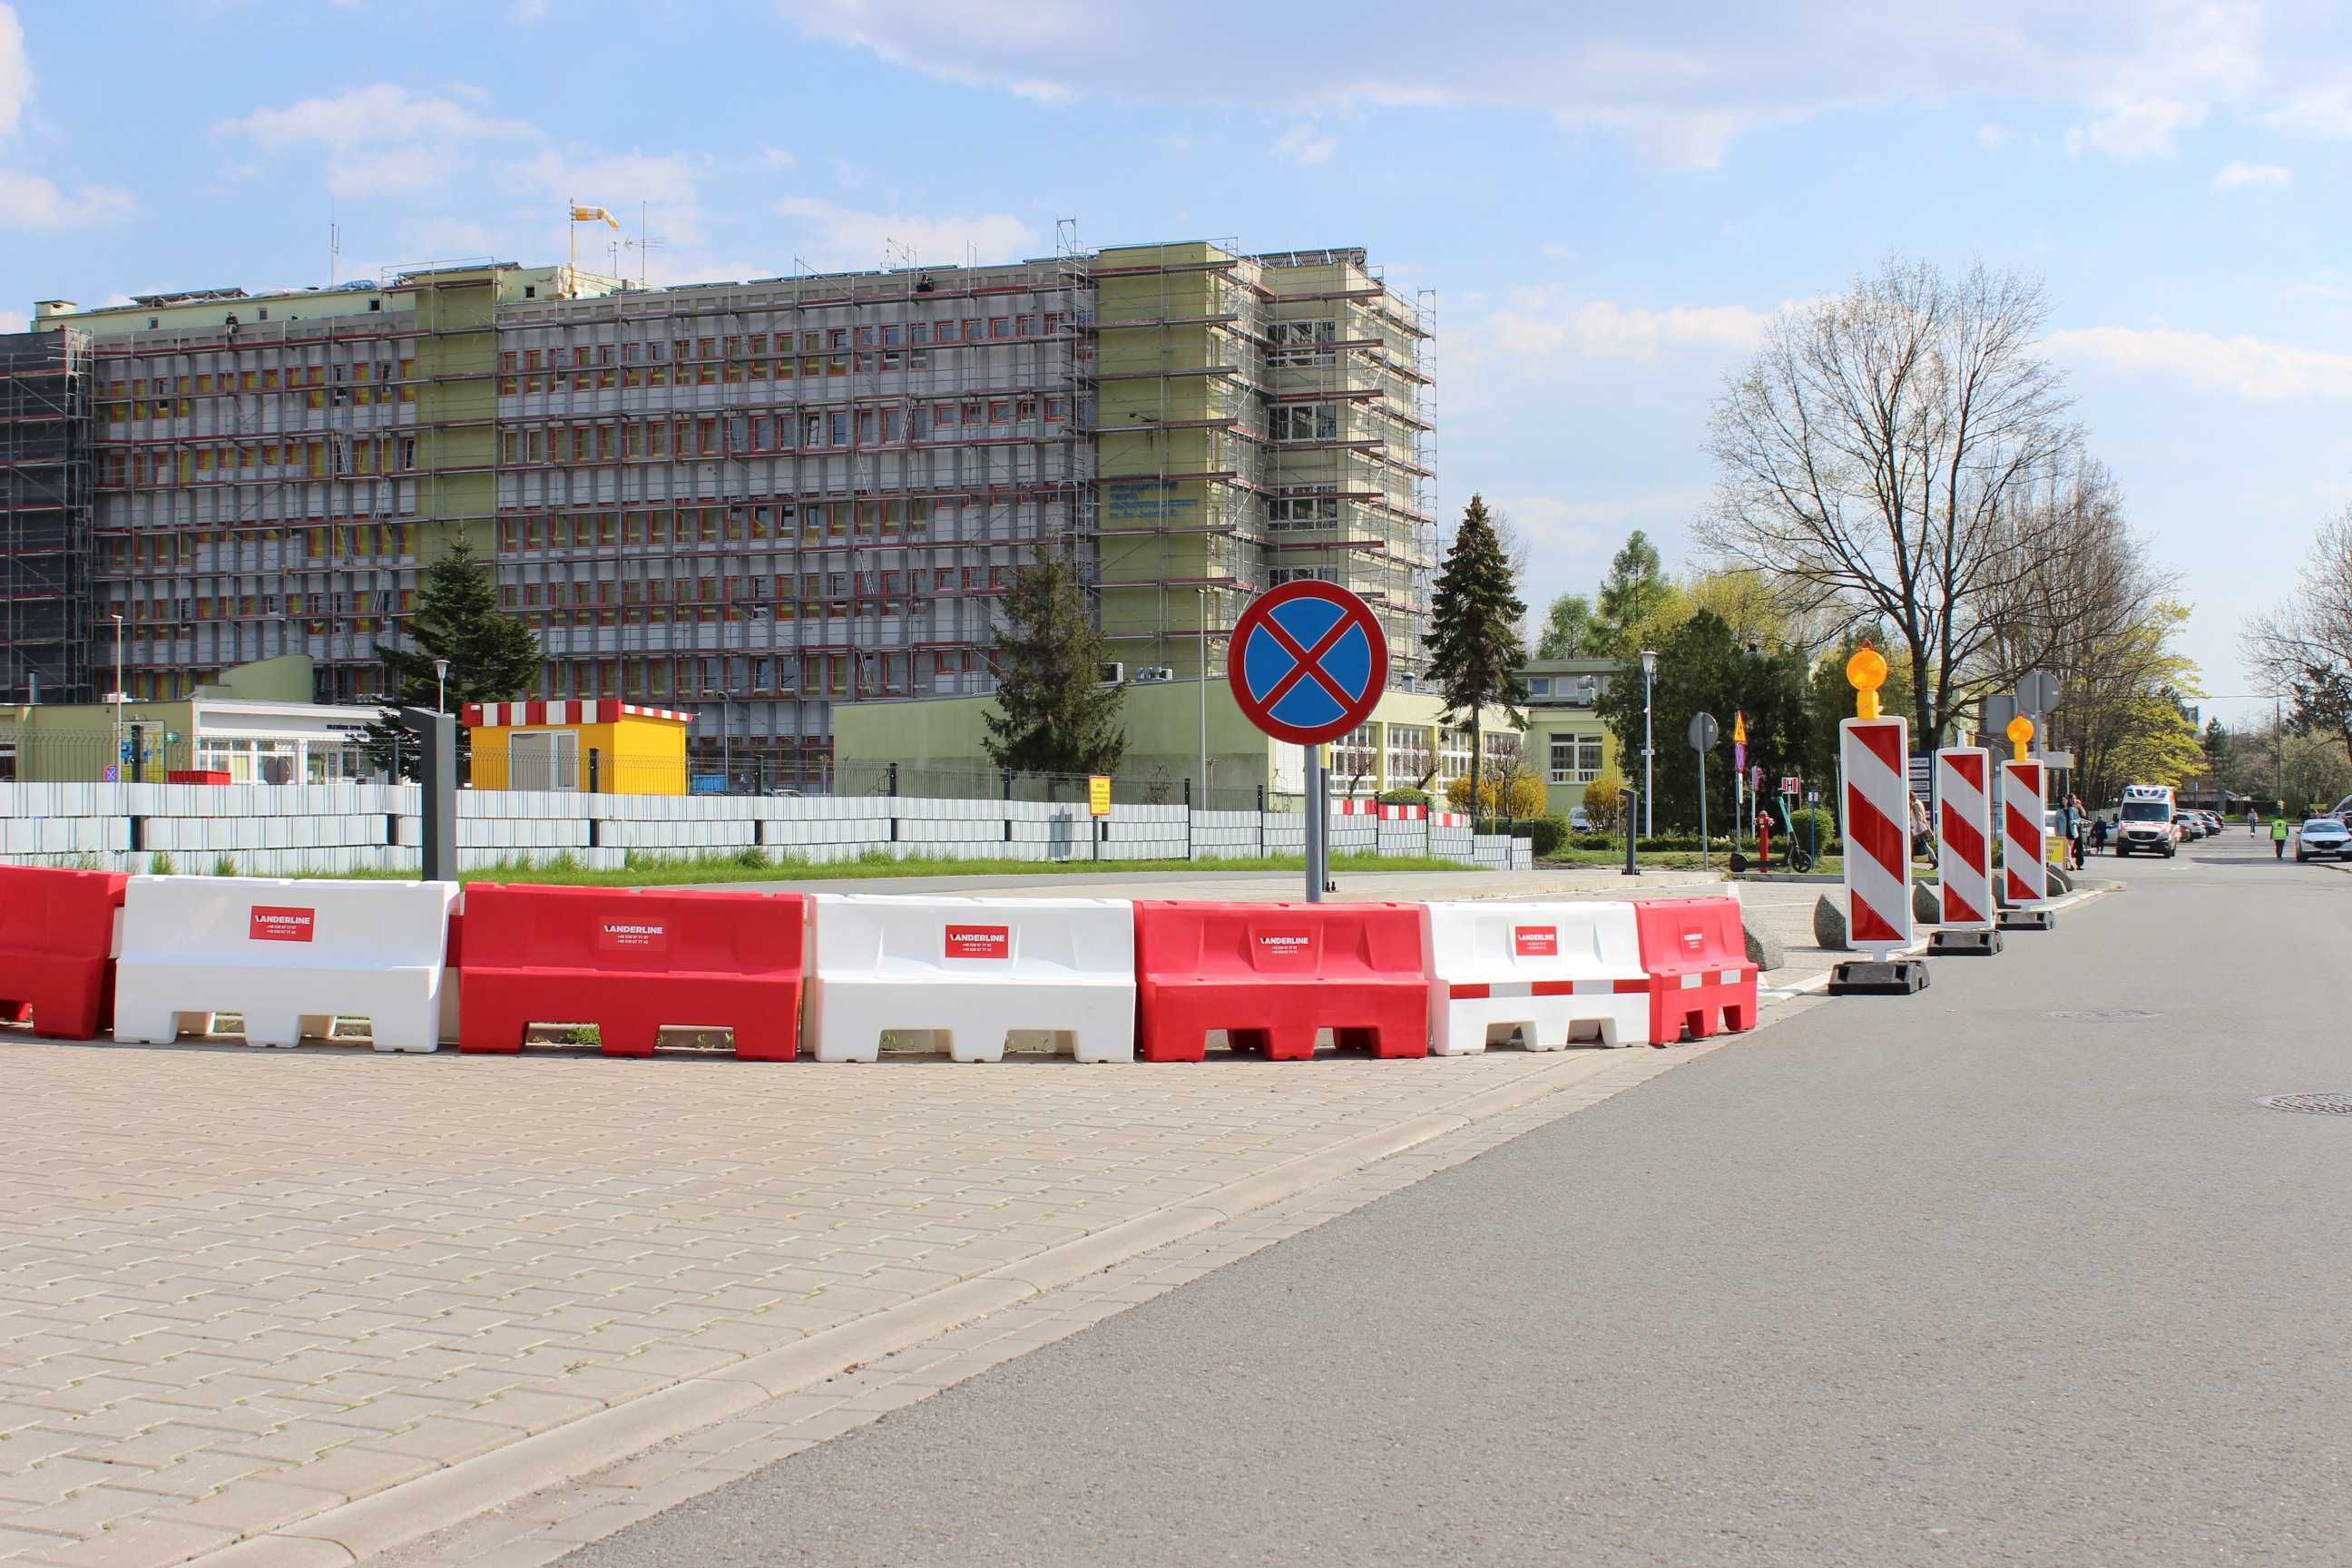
(2304,645)
(1876,453)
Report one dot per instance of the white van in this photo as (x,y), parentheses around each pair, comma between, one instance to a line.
(2145,823)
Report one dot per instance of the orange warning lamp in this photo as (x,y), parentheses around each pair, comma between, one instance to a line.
(2020,734)
(1865,672)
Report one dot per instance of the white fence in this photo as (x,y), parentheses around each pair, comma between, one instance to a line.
(279,830)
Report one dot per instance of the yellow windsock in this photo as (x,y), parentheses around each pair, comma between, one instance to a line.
(594,215)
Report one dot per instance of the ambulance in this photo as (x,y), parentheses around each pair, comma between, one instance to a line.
(2146,825)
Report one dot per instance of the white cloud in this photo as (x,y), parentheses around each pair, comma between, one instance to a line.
(2270,176)
(1544,324)
(849,176)
(2132,131)
(530,10)
(2253,368)
(13,321)
(37,203)
(1684,94)
(1995,136)
(388,173)
(1595,524)
(380,115)
(777,157)
(1300,146)
(668,183)
(841,237)
(16,70)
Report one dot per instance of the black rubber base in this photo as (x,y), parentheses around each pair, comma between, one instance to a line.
(2028,919)
(1964,943)
(1879,977)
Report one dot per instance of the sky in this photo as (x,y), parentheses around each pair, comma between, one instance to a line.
(1608,202)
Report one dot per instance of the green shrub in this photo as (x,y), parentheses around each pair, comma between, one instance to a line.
(752,857)
(1405,797)
(1549,832)
(223,865)
(1812,823)
(159,863)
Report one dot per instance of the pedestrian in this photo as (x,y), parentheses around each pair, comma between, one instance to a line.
(2077,827)
(2099,836)
(2278,834)
(2252,818)
(1922,833)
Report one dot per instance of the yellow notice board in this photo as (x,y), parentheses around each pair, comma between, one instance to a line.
(1099,794)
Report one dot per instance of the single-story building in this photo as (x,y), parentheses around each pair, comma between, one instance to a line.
(590,746)
(255,724)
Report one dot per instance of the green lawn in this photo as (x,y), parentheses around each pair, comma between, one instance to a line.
(751,865)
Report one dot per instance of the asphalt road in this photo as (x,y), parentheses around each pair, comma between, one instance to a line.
(2010,1272)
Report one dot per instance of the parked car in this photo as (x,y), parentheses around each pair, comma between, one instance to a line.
(2323,836)
(1579,819)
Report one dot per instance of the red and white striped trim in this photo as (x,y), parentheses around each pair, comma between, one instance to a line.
(560,711)
(1964,813)
(2024,846)
(1480,991)
(1387,812)
(1873,760)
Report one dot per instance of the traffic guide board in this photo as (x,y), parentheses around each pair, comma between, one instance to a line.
(1309,662)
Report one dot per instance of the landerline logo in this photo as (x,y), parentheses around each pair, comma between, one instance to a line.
(273,922)
(1536,942)
(610,934)
(979,942)
(1286,946)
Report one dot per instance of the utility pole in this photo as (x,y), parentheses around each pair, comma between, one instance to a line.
(1204,698)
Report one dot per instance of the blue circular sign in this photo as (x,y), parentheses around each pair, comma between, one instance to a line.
(1309,662)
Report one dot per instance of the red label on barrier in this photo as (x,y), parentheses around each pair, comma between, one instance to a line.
(273,922)
(979,942)
(1693,940)
(1536,942)
(1292,944)
(631,936)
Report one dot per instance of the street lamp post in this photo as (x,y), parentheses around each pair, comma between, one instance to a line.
(440,686)
(1202,803)
(117,619)
(1649,757)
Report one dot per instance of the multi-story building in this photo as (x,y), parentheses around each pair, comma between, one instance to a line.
(750,501)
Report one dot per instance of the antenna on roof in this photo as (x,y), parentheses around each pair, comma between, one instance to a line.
(334,242)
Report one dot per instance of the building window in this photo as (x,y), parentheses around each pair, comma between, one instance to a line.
(1302,511)
(1303,343)
(1307,422)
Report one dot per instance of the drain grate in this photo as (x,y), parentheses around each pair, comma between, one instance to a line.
(2319,1104)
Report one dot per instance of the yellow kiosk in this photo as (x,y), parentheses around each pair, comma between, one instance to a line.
(600,745)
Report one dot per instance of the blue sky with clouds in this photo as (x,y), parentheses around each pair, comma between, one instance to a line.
(1608,205)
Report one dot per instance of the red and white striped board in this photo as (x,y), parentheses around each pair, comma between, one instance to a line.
(1874,764)
(2024,843)
(1964,829)
(561,710)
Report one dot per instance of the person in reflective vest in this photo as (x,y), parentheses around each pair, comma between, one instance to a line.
(2278,836)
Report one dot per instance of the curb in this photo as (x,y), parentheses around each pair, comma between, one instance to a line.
(365,1527)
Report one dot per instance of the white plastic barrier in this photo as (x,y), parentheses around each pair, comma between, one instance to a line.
(1548,971)
(290,956)
(971,972)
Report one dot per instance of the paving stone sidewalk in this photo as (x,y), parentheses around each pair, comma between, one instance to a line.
(240,1287)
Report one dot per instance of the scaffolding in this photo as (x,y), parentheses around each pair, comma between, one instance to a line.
(44,518)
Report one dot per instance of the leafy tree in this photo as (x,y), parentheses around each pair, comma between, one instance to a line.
(1604,799)
(1703,669)
(1474,642)
(1052,715)
(1515,792)
(493,657)
(1566,626)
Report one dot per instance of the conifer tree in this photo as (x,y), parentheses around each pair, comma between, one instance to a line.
(493,657)
(1052,714)
(1474,640)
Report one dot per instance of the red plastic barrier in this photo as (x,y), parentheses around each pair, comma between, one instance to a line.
(632,962)
(1696,952)
(1270,976)
(56,949)
(196,776)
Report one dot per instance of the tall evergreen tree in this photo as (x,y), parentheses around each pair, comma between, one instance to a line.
(1052,714)
(493,657)
(1635,589)
(1474,636)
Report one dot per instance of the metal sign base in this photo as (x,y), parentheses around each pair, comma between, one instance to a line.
(2028,919)
(1879,977)
(1964,943)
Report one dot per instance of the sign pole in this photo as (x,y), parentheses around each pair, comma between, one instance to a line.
(1314,824)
